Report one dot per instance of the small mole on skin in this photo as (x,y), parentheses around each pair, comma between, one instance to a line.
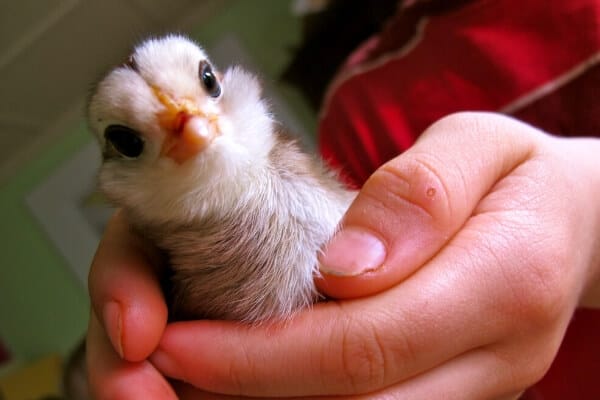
(430,192)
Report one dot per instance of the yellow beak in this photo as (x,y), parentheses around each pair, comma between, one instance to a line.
(189,129)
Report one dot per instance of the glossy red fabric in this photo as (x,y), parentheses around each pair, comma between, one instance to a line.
(538,60)
(486,55)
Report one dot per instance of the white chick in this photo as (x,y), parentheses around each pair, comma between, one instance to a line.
(200,167)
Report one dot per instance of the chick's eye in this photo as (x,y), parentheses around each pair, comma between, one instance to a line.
(209,80)
(125,140)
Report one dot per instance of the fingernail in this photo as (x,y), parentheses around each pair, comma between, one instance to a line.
(114,325)
(165,364)
(352,252)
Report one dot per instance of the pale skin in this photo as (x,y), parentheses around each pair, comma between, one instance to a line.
(491,232)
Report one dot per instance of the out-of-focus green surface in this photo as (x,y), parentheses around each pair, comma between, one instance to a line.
(43,308)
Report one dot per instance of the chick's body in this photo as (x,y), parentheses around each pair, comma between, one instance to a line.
(201,169)
(257,259)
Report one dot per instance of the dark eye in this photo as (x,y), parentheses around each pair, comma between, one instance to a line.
(125,140)
(209,80)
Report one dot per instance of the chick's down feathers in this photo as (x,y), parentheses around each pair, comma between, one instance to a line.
(200,168)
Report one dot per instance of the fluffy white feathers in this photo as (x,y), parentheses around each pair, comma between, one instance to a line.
(125,97)
(241,222)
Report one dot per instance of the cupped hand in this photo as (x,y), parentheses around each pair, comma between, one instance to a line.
(128,318)
(480,243)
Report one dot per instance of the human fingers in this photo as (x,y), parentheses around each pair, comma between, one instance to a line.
(502,295)
(125,291)
(458,379)
(411,206)
(111,377)
(478,374)
(350,347)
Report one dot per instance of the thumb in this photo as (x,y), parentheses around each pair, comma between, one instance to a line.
(412,205)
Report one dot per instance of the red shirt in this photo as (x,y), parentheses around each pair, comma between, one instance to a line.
(537,60)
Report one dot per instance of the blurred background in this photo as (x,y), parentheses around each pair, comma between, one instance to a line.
(51,52)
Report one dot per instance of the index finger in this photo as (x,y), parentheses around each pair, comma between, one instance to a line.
(125,291)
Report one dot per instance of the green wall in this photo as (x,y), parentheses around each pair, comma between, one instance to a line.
(43,308)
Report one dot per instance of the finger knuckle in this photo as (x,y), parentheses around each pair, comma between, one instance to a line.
(362,357)
(241,375)
(416,179)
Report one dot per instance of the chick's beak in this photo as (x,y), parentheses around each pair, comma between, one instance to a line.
(189,129)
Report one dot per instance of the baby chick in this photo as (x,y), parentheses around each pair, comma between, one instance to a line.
(199,166)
